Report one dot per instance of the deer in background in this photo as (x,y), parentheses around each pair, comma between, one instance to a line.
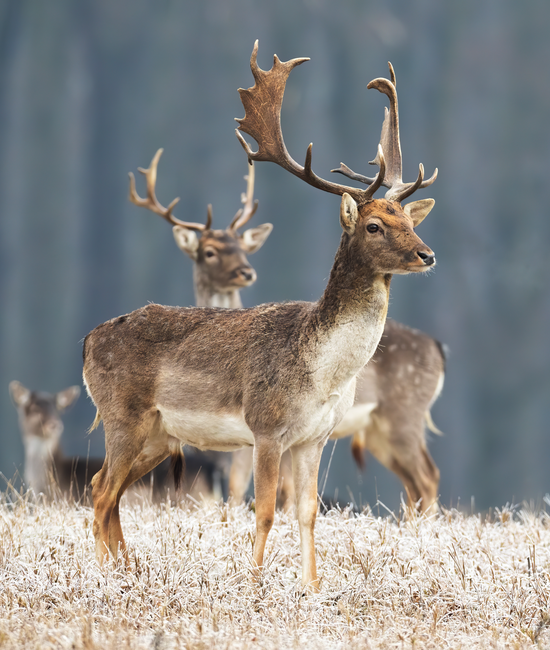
(220,271)
(47,469)
(220,267)
(274,376)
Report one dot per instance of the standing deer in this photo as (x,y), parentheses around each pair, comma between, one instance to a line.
(395,390)
(220,266)
(275,376)
(47,470)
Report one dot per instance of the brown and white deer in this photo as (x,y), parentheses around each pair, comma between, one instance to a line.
(401,383)
(47,469)
(275,376)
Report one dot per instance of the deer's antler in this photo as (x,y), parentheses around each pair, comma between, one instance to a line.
(246,213)
(153,204)
(389,141)
(262,121)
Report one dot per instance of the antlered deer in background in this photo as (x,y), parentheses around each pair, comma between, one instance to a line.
(220,270)
(275,376)
(47,470)
(220,266)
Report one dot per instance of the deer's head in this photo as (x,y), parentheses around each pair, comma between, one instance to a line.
(40,413)
(219,256)
(380,231)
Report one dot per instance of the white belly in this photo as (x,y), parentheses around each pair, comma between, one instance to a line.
(207,431)
(357,418)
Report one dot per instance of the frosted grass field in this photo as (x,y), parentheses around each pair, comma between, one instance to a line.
(450,580)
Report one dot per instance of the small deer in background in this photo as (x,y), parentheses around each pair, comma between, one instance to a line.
(47,469)
(220,271)
(275,376)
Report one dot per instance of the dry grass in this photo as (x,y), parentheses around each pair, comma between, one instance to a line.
(447,581)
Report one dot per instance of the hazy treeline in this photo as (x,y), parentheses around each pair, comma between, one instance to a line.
(90,89)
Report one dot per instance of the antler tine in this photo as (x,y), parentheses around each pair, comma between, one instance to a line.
(346,171)
(208,223)
(379,179)
(152,203)
(389,140)
(262,121)
(244,215)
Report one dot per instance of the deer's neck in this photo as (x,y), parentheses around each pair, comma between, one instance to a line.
(349,318)
(42,457)
(207,296)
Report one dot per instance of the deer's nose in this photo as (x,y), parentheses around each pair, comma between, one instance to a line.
(427,258)
(247,274)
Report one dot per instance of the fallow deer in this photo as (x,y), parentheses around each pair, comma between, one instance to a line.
(220,266)
(47,469)
(275,376)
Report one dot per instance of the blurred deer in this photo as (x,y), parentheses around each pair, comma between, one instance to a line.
(220,267)
(275,376)
(47,469)
(220,271)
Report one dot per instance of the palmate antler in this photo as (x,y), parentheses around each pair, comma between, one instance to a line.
(153,204)
(262,121)
(389,141)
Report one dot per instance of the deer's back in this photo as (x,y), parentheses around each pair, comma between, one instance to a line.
(210,359)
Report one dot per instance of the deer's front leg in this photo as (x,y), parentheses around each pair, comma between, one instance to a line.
(267,458)
(305,468)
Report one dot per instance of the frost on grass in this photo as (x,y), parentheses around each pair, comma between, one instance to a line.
(446,581)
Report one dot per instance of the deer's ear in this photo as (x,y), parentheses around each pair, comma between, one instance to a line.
(186,240)
(253,238)
(419,210)
(348,213)
(66,397)
(19,394)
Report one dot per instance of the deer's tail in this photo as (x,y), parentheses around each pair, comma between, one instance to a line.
(177,466)
(96,421)
(358,452)
(431,424)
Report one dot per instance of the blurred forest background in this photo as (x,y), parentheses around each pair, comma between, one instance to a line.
(90,89)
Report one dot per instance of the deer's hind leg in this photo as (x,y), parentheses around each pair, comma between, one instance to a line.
(400,445)
(125,443)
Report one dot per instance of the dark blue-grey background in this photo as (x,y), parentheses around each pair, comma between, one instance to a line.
(90,89)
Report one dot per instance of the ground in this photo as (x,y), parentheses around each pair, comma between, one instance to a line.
(450,580)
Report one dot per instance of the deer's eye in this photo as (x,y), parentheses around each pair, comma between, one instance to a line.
(209,254)
(372,227)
